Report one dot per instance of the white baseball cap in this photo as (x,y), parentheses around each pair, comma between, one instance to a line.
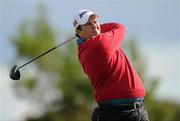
(82,17)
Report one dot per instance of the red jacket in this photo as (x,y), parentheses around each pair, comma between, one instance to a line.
(107,66)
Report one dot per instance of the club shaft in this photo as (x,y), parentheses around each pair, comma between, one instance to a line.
(47,52)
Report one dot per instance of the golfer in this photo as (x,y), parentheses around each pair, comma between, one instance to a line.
(118,90)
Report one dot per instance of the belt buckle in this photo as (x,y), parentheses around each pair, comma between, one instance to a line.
(137,105)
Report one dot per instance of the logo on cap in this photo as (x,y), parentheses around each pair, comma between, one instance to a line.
(81,14)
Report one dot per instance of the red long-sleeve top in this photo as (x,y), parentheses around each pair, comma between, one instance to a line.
(107,66)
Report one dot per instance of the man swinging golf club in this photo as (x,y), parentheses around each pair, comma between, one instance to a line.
(118,90)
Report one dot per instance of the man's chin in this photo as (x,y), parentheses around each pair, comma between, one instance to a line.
(96,33)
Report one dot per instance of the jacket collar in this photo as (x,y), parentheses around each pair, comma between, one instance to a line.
(80,40)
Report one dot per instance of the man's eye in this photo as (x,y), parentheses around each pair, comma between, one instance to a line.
(88,24)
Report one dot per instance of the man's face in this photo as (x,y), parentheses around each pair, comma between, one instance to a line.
(91,28)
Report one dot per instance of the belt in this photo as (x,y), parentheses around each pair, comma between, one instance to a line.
(121,107)
(122,101)
(122,104)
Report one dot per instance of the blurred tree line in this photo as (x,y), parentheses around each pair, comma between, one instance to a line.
(60,89)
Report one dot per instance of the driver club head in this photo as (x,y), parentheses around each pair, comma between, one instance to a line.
(15,73)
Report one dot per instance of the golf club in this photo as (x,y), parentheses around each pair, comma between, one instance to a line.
(15,73)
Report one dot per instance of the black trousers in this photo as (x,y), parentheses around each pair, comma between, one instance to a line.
(116,114)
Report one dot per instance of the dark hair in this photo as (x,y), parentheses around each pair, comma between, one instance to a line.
(78,36)
(79,28)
